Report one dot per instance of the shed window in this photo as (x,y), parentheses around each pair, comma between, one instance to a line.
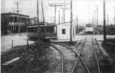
(63,31)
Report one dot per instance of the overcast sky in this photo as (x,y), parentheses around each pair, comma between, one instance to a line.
(85,10)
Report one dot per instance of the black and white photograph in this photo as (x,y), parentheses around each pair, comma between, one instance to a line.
(57,36)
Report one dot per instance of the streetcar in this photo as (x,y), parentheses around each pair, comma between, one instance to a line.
(46,32)
(89,28)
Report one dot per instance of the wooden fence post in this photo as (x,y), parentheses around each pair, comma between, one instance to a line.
(12,43)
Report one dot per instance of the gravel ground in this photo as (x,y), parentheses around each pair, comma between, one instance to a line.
(69,59)
(88,56)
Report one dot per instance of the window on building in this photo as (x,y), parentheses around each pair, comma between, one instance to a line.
(11,19)
(42,29)
(15,19)
(34,29)
(63,31)
(49,29)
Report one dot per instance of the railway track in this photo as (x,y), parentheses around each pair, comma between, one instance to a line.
(78,54)
(62,57)
(94,42)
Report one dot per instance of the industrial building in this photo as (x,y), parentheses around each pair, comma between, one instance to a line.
(13,23)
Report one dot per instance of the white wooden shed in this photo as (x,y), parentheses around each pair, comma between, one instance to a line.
(63,31)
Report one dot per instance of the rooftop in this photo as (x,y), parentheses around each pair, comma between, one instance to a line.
(14,14)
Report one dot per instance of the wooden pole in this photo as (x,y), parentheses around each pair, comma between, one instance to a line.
(55,5)
(55,13)
(59,17)
(43,12)
(77,23)
(71,21)
(12,43)
(64,11)
(107,19)
(38,21)
(114,16)
(97,16)
(104,21)
(18,18)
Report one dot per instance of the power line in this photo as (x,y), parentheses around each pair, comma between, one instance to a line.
(55,5)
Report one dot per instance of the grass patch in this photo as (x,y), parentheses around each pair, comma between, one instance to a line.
(33,59)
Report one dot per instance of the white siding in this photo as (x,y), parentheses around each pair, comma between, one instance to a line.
(65,36)
(61,36)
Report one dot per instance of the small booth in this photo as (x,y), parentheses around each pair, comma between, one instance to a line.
(63,31)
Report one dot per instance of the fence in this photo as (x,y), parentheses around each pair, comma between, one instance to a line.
(13,43)
(19,43)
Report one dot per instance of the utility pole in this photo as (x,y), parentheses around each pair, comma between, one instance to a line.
(71,18)
(64,9)
(55,5)
(43,12)
(104,21)
(107,19)
(18,17)
(114,16)
(97,16)
(38,21)
(77,22)
(59,17)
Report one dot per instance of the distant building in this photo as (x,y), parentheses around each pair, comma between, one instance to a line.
(12,22)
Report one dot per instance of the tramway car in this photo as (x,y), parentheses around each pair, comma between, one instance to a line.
(89,28)
(46,32)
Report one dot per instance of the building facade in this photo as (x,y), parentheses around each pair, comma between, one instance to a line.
(13,23)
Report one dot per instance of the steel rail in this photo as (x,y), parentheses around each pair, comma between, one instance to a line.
(77,55)
(95,55)
(62,57)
